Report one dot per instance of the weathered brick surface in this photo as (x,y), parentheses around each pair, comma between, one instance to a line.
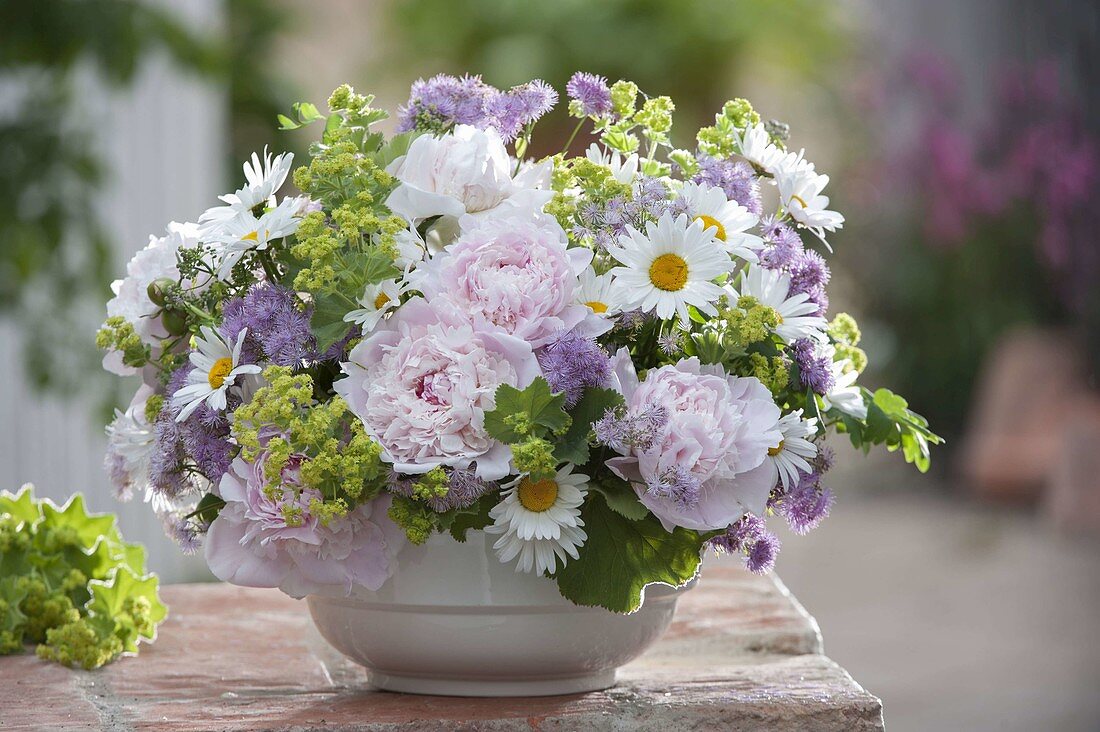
(741,655)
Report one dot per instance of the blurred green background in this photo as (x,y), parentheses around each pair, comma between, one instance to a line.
(961,138)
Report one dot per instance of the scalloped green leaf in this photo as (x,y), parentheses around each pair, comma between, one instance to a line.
(622,556)
(21,505)
(89,527)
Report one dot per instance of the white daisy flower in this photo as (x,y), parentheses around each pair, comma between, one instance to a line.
(540,521)
(727,221)
(233,238)
(792,455)
(377,300)
(598,292)
(622,169)
(671,266)
(216,369)
(772,288)
(845,395)
(755,145)
(262,182)
(800,196)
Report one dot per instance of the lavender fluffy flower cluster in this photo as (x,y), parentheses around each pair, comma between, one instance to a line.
(589,94)
(444,100)
(749,537)
(605,222)
(278,328)
(627,430)
(814,368)
(736,179)
(572,363)
(783,251)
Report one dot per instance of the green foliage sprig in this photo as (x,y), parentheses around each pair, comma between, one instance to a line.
(69,583)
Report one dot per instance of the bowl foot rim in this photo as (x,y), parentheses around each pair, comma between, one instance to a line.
(456,686)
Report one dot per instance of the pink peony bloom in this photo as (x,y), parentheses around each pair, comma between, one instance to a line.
(252,543)
(513,273)
(423,382)
(717,437)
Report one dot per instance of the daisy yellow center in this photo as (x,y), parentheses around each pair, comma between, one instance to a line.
(537,495)
(597,306)
(800,200)
(773,451)
(251,236)
(669,272)
(709,222)
(219,371)
(381,300)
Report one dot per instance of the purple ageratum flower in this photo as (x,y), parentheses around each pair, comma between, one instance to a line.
(760,558)
(751,538)
(814,370)
(631,429)
(278,329)
(168,460)
(205,436)
(183,531)
(805,505)
(783,247)
(591,94)
(572,363)
(736,179)
(670,343)
(535,98)
(445,100)
(677,484)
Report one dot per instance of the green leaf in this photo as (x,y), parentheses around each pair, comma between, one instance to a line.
(622,556)
(286,123)
(573,446)
(620,497)
(109,600)
(11,595)
(475,519)
(395,148)
(207,509)
(21,506)
(518,413)
(89,527)
(327,323)
(891,404)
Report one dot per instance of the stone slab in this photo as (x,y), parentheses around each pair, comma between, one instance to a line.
(742,654)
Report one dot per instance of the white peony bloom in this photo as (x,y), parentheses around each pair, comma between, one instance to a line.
(131,300)
(466,171)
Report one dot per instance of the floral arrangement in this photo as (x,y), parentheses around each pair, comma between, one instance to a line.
(605,361)
(69,583)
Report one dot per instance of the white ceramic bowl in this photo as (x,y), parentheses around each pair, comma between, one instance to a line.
(454,620)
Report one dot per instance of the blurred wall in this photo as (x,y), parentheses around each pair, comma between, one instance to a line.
(164,142)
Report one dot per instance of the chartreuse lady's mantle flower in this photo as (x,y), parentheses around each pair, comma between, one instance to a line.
(217,367)
(670,267)
(540,520)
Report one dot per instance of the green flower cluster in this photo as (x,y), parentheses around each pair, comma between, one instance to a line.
(330,449)
(69,583)
(718,139)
